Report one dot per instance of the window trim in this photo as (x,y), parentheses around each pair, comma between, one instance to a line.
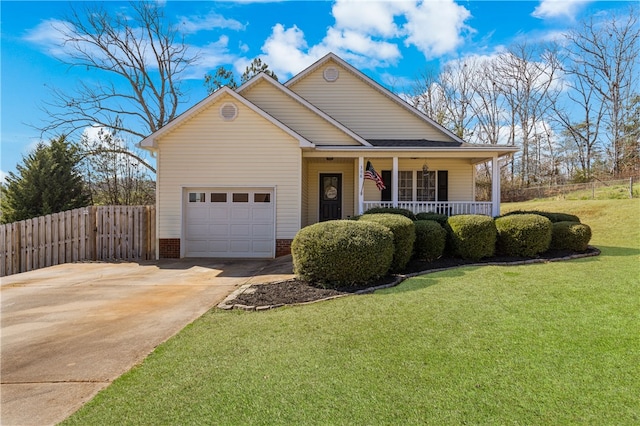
(414,185)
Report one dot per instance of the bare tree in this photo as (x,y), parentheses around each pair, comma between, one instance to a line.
(488,103)
(139,58)
(114,177)
(604,54)
(427,96)
(581,134)
(527,79)
(456,81)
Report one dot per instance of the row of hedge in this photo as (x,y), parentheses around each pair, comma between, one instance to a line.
(353,252)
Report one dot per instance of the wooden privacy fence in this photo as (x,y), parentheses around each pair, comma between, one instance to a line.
(89,233)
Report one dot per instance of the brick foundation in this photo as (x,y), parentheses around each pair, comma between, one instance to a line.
(283,247)
(169,248)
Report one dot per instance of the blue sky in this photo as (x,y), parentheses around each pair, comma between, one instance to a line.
(391,41)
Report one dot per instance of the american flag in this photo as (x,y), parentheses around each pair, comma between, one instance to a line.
(371,174)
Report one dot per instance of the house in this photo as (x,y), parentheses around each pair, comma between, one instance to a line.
(242,171)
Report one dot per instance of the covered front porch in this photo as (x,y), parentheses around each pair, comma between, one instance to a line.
(429,193)
(441,181)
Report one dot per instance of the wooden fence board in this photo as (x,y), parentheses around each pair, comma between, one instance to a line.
(91,233)
(3,249)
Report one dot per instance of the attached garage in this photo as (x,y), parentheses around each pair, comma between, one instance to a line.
(229,222)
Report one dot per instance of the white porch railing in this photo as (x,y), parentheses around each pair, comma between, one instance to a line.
(450,208)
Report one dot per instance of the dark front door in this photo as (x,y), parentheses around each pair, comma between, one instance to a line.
(330,196)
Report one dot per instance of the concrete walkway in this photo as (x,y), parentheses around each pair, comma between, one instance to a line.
(68,331)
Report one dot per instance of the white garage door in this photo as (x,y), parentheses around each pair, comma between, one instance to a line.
(230,222)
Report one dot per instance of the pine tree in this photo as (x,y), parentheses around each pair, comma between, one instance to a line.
(47,182)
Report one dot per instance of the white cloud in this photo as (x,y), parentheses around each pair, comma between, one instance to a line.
(285,50)
(210,56)
(371,17)
(360,45)
(367,34)
(47,35)
(194,24)
(436,27)
(558,8)
(3,176)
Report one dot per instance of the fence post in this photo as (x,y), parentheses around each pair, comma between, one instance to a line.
(631,187)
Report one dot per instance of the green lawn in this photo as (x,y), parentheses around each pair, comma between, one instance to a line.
(555,343)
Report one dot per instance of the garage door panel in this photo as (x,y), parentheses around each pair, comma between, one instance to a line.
(198,231)
(241,214)
(230,223)
(243,230)
(261,214)
(218,213)
(261,231)
(218,246)
(199,246)
(199,214)
(219,230)
(261,246)
(240,246)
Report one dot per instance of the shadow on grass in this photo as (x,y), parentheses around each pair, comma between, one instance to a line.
(426,279)
(618,251)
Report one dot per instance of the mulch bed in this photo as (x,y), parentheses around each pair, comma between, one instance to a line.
(297,291)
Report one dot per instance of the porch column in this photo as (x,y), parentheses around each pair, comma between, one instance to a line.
(360,185)
(495,187)
(394,182)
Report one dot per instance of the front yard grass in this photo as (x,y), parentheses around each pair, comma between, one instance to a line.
(555,343)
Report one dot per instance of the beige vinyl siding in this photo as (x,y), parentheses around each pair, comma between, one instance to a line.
(363,109)
(207,151)
(461,184)
(296,116)
(314,168)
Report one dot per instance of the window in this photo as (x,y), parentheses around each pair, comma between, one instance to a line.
(261,198)
(426,186)
(218,197)
(196,197)
(240,197)
(405,186)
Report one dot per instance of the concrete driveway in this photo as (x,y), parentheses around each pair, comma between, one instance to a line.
(70,330)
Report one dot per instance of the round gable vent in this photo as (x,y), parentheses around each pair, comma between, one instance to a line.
(228,111)
(331,74)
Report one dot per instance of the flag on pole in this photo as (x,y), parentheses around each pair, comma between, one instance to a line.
(371,174)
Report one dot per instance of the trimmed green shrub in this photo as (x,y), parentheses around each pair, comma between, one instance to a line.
(553,217)
(430,240)
(570,236)
(404,235)
(391,210)
(341,253)
(472,236)
(440,218)
(523,235)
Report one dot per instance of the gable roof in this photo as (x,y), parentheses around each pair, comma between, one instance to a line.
(290,93)
(375,85)
(149,142)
